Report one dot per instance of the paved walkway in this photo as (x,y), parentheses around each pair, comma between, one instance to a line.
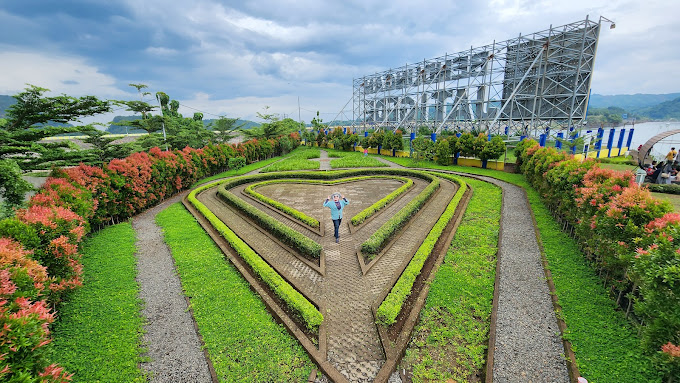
(174,348)
(344,294)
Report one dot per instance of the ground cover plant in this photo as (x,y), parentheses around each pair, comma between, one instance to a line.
(606,345)
(98,335)
(391,307)
(451,338)
(237,172)
(298,160)
(255,348)
(307,312)
(353,160)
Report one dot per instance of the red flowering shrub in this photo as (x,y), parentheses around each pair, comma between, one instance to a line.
(39,247)
(629,235)
(24,318)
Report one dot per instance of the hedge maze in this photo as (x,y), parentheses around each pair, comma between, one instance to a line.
(348,303)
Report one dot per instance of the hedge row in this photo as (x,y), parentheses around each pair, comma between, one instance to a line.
(40,246)
(632,239)
(308,313)
(369,211)
(289,236)
(313,222)
(378,240)
(391,307)
(664,188)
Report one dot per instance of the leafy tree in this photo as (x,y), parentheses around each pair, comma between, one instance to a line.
(392,141)
(272,127)
(466,145)
(12,187)
(309,136)
(479,143)
(493,149)
(443,151)
(27,124)
(103,148)
(423,148)
(224,129)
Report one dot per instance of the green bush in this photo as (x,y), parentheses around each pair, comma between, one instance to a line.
(662,188)
(236,162)
(287,235)
(376,242)
(307,312)
(391,306)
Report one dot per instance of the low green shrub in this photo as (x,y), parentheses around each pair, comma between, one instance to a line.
(374,208)
(236,162)
(287,235)
(354,160)
(391,306)
(378,240)
(307,312)
(664,188)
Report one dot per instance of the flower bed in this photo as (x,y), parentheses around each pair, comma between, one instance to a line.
(392,304)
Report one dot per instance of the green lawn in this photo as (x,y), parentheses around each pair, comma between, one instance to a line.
(237,172)
(98,334)
(299,159)
(353,160)
(674,199)
(244,342)
(451,339)
(606,345)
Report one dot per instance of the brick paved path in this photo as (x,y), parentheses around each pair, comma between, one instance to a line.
(343,294)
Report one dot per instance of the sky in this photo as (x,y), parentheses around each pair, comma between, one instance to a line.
(234,58)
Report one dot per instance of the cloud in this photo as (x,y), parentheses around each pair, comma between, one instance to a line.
(62,74)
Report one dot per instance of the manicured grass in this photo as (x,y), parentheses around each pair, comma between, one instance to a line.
(674,199)
(244,342)
(98,334)
(606,345)
(298,160)
(618,166)
(353,160)
(451,339)
(237,172)
(392,305)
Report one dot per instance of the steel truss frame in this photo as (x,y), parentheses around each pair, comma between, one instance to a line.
(529,84)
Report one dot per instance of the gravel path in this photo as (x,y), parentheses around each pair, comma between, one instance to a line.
(324,160)
(528,345)
(173,345)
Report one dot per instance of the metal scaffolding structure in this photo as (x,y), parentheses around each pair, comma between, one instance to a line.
(528,84)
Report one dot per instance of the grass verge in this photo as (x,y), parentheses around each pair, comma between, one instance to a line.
(391,307)
(606,345)
(450,341)
(244,342)
(98,334)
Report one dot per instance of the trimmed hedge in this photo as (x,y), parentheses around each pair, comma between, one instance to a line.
(313,222)
(391,307)
(289,236)
(369,211)
(379,239)
(664,188)
(308,313)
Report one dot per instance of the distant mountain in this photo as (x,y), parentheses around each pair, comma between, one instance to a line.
(663,111)
(630,102)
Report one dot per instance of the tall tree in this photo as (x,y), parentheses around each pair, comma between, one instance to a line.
(224,129)
(272,127)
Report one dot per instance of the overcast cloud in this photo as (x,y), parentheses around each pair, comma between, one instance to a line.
(234,57)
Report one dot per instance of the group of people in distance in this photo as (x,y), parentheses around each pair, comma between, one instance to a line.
(664,172)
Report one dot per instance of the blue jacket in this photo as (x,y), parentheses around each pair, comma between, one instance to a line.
(335,212)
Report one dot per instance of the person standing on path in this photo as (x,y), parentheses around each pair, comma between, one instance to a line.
(336,205)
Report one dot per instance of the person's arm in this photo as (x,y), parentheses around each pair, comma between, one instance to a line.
(326,202)
(346,202)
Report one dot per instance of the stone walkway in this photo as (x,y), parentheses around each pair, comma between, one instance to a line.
(343,294)
(174,348)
